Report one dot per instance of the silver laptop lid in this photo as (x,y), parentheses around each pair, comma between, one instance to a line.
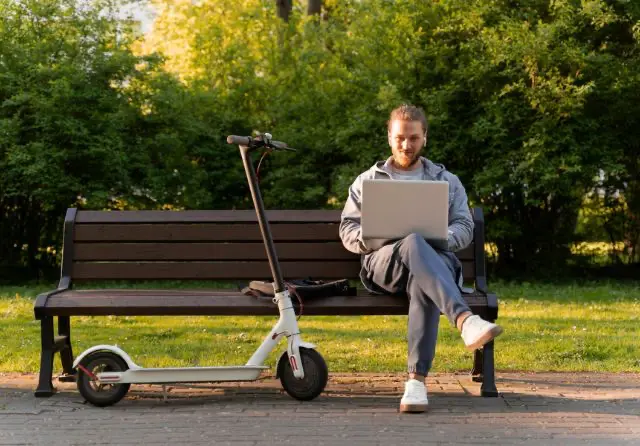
(392,209)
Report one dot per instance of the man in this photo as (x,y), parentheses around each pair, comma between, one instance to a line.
(431,278)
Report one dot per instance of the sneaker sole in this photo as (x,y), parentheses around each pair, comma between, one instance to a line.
(485,338)
(414,408)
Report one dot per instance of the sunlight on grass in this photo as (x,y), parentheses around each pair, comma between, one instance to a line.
(594,250)
(548,327)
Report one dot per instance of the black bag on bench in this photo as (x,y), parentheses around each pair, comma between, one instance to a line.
(305,289)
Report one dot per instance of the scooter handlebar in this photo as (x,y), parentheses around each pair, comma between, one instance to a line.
(239,140)
(246,140)
(281,145)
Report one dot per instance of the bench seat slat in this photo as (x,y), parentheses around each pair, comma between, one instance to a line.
(130,302)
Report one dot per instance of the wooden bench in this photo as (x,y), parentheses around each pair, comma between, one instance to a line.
(220,246)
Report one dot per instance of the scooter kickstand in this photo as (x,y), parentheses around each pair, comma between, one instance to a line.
(165,398)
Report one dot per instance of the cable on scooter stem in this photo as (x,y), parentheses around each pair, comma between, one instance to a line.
(262,141)
(264,155)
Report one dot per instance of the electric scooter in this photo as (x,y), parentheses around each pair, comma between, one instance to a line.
(105,372)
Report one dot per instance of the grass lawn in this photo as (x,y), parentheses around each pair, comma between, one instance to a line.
(548,327)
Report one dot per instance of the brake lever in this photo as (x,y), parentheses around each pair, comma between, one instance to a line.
(268,141)
(277,146)
(265,141)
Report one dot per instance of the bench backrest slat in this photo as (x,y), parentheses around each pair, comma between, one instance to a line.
(209,245)
(216,270)
(213,216)
(159,251)
(202,232)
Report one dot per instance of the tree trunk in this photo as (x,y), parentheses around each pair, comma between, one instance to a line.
(33,225)
(284,9)
(314,7)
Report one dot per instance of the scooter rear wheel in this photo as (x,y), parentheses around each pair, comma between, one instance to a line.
(315,378)
(98,394)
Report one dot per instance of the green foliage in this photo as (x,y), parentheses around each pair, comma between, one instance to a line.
(533,106)
(86,122)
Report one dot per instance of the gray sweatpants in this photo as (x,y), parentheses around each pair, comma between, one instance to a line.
(428,277)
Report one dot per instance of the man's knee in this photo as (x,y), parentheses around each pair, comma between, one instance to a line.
(414,243)
(414,239)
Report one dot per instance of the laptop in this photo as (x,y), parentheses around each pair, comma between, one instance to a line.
(393,209)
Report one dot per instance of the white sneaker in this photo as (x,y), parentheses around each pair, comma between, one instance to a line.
(415,397)
(476,332)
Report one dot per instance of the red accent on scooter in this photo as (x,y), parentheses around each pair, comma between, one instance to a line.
(85,370)
(292,361)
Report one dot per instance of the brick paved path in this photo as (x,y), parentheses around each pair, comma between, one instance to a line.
(545,408)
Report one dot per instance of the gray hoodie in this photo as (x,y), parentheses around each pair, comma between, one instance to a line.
(460,221)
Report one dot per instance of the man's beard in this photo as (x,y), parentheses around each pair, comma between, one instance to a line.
(415,158)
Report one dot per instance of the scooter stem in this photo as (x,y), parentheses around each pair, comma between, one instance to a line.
(262,219)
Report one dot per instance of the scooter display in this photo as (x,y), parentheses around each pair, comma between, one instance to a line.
(105,372)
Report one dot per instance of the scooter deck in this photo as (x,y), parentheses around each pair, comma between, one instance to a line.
(188,374)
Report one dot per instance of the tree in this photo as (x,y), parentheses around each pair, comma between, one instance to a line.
(85,122)
(284,9)
(515,98)
(314,7)
(60,118)
(509,92)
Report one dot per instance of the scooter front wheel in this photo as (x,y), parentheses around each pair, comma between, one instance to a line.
(91,389)
(315,378)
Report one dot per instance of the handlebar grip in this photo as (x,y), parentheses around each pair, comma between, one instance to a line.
(240,140)
(279,145)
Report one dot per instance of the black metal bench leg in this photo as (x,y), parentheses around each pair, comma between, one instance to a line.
(45,386)
(477,372)
(66,354)
(488,388)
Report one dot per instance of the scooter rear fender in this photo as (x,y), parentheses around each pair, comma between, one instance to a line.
(107,348)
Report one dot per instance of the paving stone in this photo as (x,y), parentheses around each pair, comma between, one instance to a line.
(533,408)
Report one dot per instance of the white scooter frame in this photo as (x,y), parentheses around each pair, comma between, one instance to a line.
(287,326)
(105,371)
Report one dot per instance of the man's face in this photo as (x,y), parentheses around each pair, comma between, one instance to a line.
(406,139)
